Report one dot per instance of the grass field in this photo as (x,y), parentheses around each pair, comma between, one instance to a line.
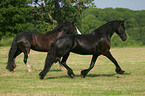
(101,80)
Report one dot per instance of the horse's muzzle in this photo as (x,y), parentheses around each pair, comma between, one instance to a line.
(123,37)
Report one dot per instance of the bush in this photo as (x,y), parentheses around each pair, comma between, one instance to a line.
(6,41)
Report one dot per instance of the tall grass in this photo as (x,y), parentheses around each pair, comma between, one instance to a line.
(101,80)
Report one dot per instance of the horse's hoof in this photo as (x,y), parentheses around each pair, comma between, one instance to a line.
(41,77)
(83,76)
(119,71)
(11,70)
(84,73)
(71,75)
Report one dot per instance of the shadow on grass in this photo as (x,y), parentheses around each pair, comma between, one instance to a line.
(92,76)
(100,75)
(55,70)
(59,77)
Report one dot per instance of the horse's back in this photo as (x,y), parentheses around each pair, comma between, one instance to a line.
(24,35)
(81,44)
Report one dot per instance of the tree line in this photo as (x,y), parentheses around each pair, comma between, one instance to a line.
(92,18)
(39,16)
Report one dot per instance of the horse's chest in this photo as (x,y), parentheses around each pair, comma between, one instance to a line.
(104,46)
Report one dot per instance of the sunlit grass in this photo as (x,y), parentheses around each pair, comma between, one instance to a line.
(101,80)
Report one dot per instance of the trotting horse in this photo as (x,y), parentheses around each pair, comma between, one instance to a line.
(96,43)
(38,42)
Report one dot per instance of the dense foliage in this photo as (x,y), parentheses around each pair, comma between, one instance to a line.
(55,12)
(17,16)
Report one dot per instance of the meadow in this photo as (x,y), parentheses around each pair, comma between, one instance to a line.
(101,80)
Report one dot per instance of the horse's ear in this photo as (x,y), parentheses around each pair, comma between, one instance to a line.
(72,22)
(124,20)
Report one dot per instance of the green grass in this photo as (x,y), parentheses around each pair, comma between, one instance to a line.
(101,80)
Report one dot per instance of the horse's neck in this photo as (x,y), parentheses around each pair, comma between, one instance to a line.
(54,31)
(107,32)
(110,34)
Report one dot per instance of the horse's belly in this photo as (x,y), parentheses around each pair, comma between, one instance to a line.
(40,48)
(84,51)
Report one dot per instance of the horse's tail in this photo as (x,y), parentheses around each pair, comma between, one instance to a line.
(13,49)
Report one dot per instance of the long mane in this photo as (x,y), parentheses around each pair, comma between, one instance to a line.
(105,27)
(55,30)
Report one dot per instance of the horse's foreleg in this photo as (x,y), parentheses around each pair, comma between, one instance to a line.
(48,63)
(63,62)
(110,57)
(85,72)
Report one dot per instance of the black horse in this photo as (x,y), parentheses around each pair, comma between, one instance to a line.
(96,43)
(38,42)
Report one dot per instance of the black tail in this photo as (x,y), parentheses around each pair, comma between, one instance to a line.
(11,64)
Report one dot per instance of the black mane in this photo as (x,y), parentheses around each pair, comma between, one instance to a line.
(105,27)
(55,30)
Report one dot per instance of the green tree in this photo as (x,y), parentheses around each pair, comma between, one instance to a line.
(53,12)
(90,23)
(14,17)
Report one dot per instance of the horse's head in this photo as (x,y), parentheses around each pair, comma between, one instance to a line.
(121,30)
(70,28)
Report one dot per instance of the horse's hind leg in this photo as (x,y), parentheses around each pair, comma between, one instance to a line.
(26,55)
(63,62)
(85,72)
